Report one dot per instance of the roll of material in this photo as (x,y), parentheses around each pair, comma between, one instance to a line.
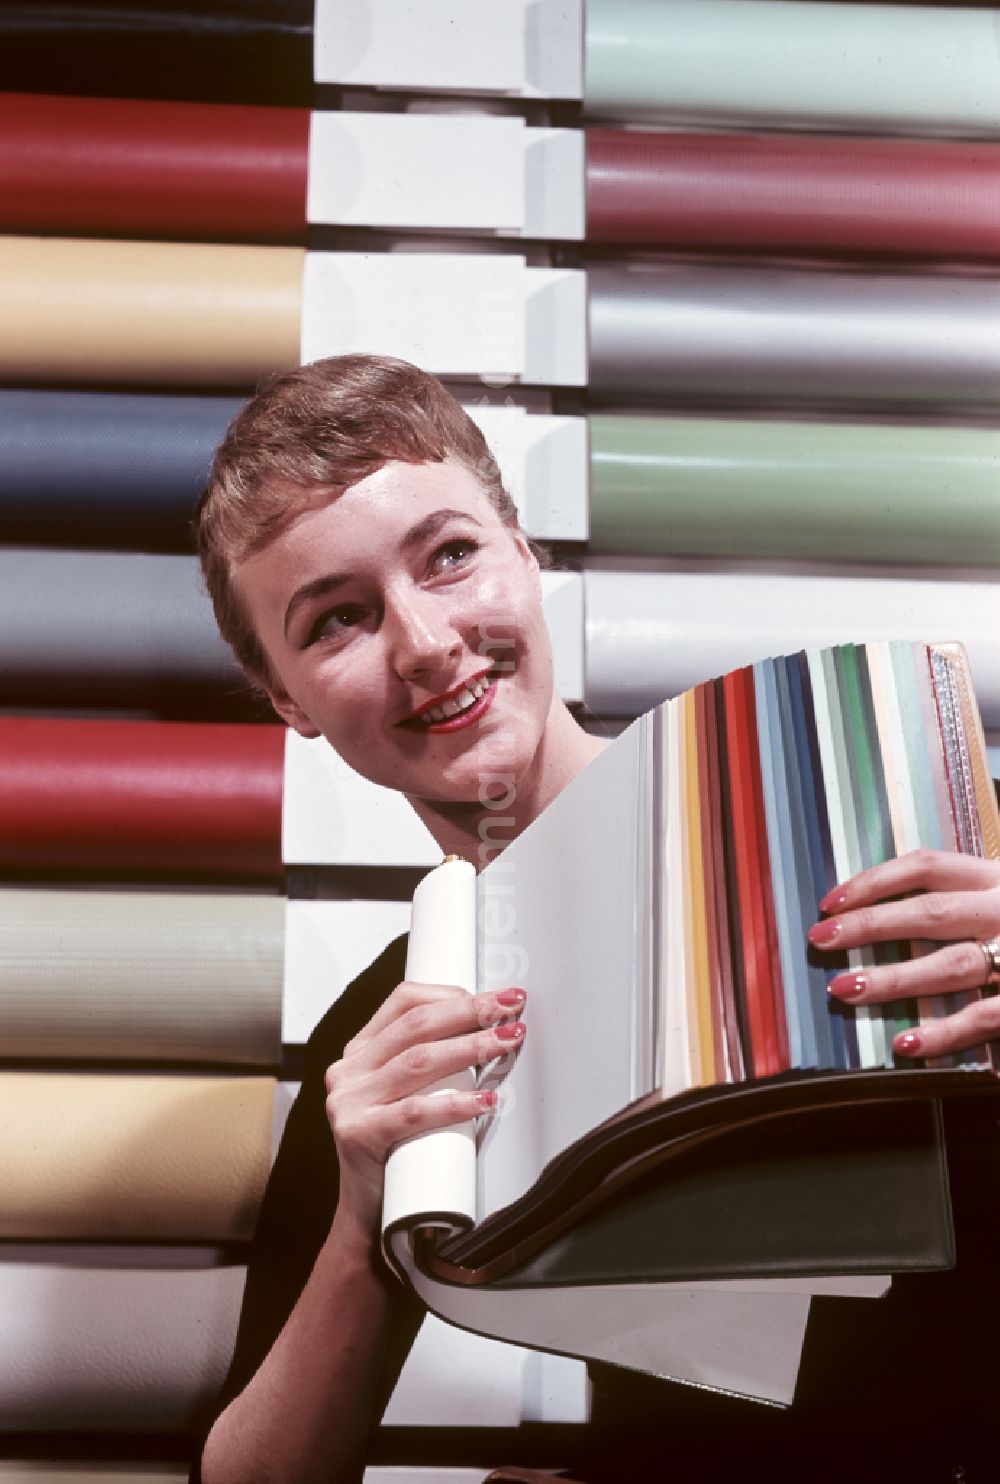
(652,635)
(167,799)
(141,976)
(920,68)
(40,1471)
(755,192)
(76,310)
(722,336)
(100,469)
(139,168)
(120,1157)
(106,628)
(242,51)
(99,1350)
(851,492)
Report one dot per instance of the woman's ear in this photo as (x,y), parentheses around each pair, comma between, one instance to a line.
(526,552)
(290,711)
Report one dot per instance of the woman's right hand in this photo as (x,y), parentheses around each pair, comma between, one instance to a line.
(377,1093)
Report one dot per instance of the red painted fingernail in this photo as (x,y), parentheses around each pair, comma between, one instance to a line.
(511,997)
(834,900)
(509,1032)
(825,934)
(908,1043)
(848,986)
(487,1098)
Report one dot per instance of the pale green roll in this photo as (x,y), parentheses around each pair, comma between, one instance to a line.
(141,976)
(724,487)
(894,68)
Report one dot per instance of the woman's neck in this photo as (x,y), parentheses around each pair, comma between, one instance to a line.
(477,833)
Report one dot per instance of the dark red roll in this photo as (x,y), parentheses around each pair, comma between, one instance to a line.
(921,198)
(170,799)
(122,167)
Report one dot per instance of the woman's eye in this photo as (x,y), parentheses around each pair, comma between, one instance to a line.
(453,553)
(335,620)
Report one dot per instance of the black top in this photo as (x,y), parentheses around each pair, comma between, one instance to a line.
(904,1387)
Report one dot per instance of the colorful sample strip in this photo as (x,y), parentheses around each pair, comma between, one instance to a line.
(250,51)
(96,469)
(103,628)
(921,68)
(141,976)
(819,491)
(795,774)
(130,168)
(655,634)
(722,336)
(121,1157)
(132,1349)
(754,192)
(164,798)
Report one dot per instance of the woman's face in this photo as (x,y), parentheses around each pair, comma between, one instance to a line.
(403,622)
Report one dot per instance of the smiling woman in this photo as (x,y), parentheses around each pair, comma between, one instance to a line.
(366,564)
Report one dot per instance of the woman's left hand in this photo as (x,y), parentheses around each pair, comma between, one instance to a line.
(932,894)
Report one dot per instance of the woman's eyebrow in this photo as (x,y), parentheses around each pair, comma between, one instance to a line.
(427,528)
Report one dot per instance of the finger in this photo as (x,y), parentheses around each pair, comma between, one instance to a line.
(406,996)
(968,1027)
(960,966)
(433,1020)
(937,915)
(376,1130)
(919,870)
(418,1067)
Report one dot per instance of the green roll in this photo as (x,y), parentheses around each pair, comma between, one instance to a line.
(726,487)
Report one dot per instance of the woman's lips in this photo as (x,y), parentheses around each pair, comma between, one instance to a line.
(465,718)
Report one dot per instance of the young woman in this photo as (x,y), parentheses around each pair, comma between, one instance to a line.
(367,567)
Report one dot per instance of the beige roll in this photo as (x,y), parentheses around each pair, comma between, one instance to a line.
(41,1471)
(141,976)
(192,313)
(118,1157)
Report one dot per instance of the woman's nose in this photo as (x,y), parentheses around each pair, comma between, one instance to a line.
(423,637)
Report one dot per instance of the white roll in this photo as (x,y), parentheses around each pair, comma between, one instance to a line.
(95,1350)
(655,634)
(436,1172)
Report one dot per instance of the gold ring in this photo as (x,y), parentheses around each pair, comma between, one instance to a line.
(991,953)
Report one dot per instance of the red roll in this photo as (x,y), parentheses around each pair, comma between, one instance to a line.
(921,198)
(122,167)
(170,799)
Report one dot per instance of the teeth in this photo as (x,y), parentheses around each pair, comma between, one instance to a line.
(465,698)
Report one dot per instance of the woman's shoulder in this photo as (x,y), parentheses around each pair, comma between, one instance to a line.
(352,1010)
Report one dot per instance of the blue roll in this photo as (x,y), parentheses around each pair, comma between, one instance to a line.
(85,469)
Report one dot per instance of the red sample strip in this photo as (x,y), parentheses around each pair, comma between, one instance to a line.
(937,198)
(123,167)
(165,798)
(743,759)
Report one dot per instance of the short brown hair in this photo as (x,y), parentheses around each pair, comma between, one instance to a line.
(304,437)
